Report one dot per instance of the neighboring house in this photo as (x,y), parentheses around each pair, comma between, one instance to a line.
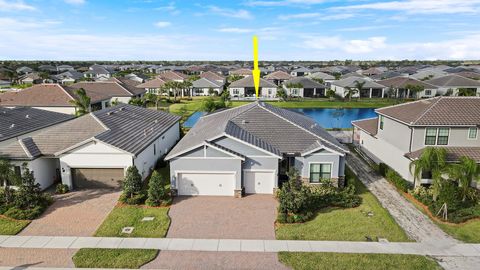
(97,72)
(374,71)
(249,148)
(427,74)
(211,76)
(94,151)
(24,70)
(134,77)
(326,78)
(63,68)
(386,75)
(68,77)
(370,89)
(31,78)
(400,133)
(153,86)
(309,88)
(244,72)
(301,71)
(47,68)
(58,98)
(455,82)
(245,88)
(401,87)
(172,76)
(20,122)
(278,77)
(469,74)
(203,87)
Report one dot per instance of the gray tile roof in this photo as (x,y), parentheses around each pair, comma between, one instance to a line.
(133,128)
(21,120)
(321,75)
(454,81)
(402,82)
(248,82)
(449,111)
(275,130)
(305,82)
(206,83)
(350,82)
(126,127)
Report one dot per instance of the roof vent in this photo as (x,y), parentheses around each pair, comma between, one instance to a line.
(156,121)
(27,116)
(109,113)
(314,125)
(121,109)
(12,126)
(244,122)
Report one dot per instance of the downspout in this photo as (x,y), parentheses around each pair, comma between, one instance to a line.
(410,149)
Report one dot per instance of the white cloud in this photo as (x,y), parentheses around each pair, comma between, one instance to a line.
(15,6)
(170,8)
(14,25)
(75,2)
(261,3)
(420,6)
(162,24)
(232,13)
(316,16)
(235,30)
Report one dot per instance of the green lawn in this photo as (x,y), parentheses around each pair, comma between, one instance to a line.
(113,258)
(196,104)
(351,224)
(131,216)
(346,261)
(12,227)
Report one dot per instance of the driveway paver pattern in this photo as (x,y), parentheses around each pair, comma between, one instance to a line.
(30,257)
(250,217)
(77,213)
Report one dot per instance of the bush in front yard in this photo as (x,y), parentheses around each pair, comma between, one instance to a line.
(158,191)
(61,189)
(25,214)
(132,187)
(29,194)
(398,181)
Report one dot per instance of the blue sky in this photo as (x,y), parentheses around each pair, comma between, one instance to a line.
(223,30)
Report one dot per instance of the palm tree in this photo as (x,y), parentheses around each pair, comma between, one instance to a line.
(466,92)
(349,92)
(187,85)
(174,86)
(82,102)
(359,86)
(465,172)
(433,159)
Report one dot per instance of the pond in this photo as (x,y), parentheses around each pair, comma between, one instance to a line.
(327,118)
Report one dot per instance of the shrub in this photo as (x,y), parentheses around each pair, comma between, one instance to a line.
(382,169)
(135,199)
(158,191)
(61,189)
(394,178)
(29,194)
(25,214)
(132,186)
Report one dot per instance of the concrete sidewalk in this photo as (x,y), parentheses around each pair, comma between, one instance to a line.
(247,245)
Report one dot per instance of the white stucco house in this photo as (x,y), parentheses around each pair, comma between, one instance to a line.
(93,151)
(249,149)
(245,88)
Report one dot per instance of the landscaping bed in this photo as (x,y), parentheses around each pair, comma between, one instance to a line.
(369,219)
(113,258)
(349,261)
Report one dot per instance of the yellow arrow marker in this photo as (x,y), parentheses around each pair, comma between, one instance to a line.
(256,71)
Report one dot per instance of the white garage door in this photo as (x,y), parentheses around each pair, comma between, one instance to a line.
(258,182)
(213,184)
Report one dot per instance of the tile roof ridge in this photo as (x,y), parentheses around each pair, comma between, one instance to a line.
(427,110)
(121,86)
(403,104)
(24,148)
(65,91)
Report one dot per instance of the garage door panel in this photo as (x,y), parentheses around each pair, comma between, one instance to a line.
(212,184)
(259,182)
(97,177)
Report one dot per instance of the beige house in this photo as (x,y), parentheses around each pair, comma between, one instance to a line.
(400,133)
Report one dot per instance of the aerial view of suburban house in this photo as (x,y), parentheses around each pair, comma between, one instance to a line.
(206,87)
(97,72)
(248,148)
(405,87)
(212,76)
(457,84)
(278,77)
(321,76)
(401,132)
(58,98)
(304,87)
(301,71)
(370,89)
(153,86)
(93,150)
(245,88)
(67,77)
(244,72)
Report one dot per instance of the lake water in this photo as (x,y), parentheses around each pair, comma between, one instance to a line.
(327,118)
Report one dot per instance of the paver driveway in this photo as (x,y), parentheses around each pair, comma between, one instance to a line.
(77,213)
(250,217)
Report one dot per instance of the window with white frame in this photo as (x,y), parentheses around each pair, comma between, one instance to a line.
(472,133)
(442,138)
(428,92)
(236,91)
(319,171)
(430,136)
(437,136)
